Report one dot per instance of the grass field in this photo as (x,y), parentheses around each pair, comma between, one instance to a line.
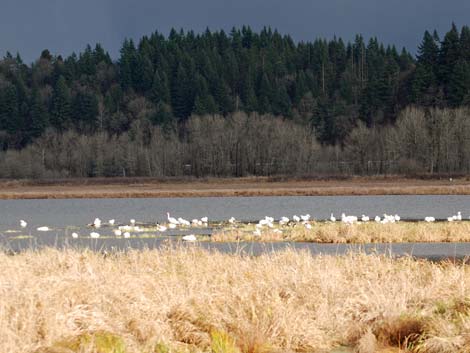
(190,300)
(250,186)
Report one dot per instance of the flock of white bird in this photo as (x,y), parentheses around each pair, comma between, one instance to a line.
(265,223)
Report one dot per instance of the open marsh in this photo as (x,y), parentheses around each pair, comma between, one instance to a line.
(191,300)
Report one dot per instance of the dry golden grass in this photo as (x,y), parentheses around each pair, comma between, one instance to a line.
(371,232)
(190,300)
(249,186)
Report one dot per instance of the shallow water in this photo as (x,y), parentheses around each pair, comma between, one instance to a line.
(67,215)
(60,213)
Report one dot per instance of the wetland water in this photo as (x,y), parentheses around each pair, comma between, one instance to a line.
(67,215)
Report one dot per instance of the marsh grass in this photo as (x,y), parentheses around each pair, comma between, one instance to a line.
(190,300)
(371,232)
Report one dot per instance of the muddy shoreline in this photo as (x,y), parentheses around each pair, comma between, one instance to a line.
(158,188)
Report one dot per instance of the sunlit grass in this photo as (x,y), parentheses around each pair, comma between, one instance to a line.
(371,232)
(191,300)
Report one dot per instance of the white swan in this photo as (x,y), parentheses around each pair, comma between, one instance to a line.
(23,223)
(74,235)
(161,228)
(283,220)
(43,229)
(189,237)
(111,222)
(94,235)
(332,218)
(97,223)
(172,220)
(127,235)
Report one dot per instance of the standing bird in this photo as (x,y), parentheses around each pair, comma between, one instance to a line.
(332,218)
(23,224)
(111,222)
(171,220)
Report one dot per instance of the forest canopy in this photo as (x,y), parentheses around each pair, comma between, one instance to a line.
(327,89)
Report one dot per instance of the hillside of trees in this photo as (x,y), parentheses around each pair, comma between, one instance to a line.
(242,103)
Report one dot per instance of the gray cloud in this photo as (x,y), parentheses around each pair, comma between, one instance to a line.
(64,26)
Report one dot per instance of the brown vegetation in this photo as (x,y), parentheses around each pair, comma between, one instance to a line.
(189,300)
(145,187)
(371,232)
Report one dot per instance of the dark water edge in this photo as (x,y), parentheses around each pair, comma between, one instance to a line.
(429,251)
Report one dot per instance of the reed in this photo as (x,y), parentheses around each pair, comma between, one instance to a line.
(371,232)
(191,300)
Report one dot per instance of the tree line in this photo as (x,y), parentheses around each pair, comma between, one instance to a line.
(241,144)
(329,92)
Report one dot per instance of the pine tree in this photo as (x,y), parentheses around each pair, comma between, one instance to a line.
(38,118)
(449,54)
(9,110)
(61,105)
(459,83)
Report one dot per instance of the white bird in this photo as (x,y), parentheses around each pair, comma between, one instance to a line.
(97,223)
(204,219)
(308,226)
(172,220)
(111,222)
(189,237)
(195,222)
(332,218)
(263,222)
(231,220)
(283,220)
(397,217)
(429,219)
(94,235)
(365,218)
(117,232)
(43,229)
(161,228)
(171,225)
(183,222)
(132,221)
(74,235)
(296,218)
(23,223)
(450,219)
(305,218)
(459,216)
(257,232)
(127,235)
(377,219)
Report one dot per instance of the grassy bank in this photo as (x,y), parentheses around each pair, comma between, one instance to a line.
(189,300)
(145,187)
(371,232)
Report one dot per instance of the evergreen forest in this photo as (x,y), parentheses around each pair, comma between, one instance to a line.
(239,103)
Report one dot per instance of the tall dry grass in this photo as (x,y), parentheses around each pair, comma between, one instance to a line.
(371,232)
(190,300)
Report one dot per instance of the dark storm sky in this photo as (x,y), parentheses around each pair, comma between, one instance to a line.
(64,26)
